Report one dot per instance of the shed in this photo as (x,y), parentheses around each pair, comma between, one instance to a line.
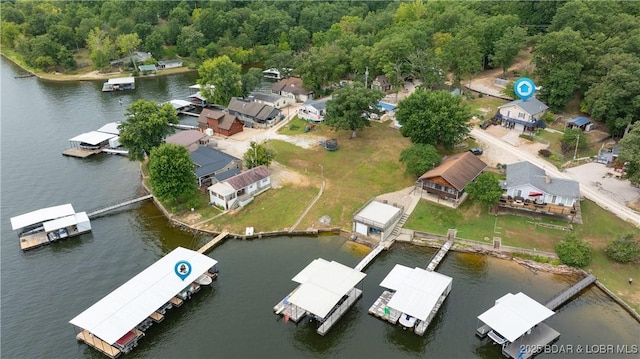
(376,219)
(582,123)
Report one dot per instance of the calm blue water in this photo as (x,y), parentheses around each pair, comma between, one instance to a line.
(41,290)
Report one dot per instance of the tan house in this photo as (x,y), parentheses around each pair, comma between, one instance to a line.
(292,88)
(522,115)
(191,139)
(381,82)
(450,178)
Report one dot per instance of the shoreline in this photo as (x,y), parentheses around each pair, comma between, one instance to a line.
(88,76)
(528,263)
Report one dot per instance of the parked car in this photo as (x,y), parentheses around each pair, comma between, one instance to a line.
(476,151)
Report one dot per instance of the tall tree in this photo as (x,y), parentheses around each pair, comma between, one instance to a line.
(128,44)
(171,175)
(251,80)
(348,107)
(258,155)
(630,152)
(145,126)
(419,158)
(486,189)
(433,117)
(464,56)
(101,48)
(507,47)
(224,75)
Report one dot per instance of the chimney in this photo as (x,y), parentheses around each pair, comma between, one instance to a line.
(547,179)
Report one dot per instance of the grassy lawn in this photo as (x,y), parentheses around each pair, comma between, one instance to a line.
(486,105)
(360,169)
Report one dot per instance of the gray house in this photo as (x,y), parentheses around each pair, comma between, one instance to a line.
(522,115)
(527,182)
(250,111)
(213,166)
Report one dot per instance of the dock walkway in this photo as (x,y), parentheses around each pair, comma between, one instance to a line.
(213,242)
(353,296)
(369,257)
(441,253)
(116,206)
(561,298)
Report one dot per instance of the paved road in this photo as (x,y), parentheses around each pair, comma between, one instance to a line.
(601,199)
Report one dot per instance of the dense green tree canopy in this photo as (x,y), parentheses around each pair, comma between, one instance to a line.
(145,126)
(258,155)
(171,175)
(349,106)
(419,158)
(630,152)
(624,249)
(571,139)
(434,118)
(224,75)
(486,189)
(573,251)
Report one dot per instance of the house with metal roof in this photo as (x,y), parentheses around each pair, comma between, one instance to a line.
(526,181)
(222,123)
(522,115)
(270,99)
(583,123)
(449,179)
(212,165)
(170,64)
(240,189)
(147,69)
(377,219)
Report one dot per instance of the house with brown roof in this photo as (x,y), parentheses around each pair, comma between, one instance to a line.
(240,189)
(381,82)
(220,122)
(449,179)
(292,88)
(191,139)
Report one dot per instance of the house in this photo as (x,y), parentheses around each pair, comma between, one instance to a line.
(137,57)
(147,69)
(528,183)
(250,111)
(240,189)
(222,123)
(272,100)
(213,165)
(449,179)
(582,123)
(292,88)
(376,219)
(381,82)
(169,64)
(522,115)
(314,110)
(191,139)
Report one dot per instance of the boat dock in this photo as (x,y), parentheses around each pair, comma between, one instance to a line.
(187,113)
(100,211)
(369,257)
(561,298)
(213,242)
(381,309)
(440,255)
(541,335)
(184,127)
(353,295)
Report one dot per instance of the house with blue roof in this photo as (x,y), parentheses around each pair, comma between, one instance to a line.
(583,123)
(212,166)
(522,115)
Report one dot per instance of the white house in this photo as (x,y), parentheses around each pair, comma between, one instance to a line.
(241,188)
(528,181)
(170,64)
(314,110)
(522,115)
(272,100)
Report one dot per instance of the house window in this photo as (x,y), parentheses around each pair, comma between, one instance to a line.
(521,115)
(553,199)
(519,193)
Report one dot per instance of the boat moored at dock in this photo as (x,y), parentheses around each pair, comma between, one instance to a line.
(49,224)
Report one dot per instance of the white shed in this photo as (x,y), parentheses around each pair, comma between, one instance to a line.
(376,219)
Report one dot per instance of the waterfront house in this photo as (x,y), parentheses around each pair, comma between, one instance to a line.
(526,181)
(449,179)
(240,189)
(220,122)
(270,99)
(314,110)
(212,165)
(522,115)
(137,57)
(169,64)
(376,219)
(381,82)
(250,112)
(191,139)
(292,88)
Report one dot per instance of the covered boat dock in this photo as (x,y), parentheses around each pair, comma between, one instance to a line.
(114,324)
(118,84)
(47,225)
(414,297)
(515,322)
(327,290)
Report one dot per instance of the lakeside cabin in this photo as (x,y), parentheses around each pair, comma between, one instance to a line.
(326,291)
(515,322)
(119,84)
(413,299)
(50,224)
(114,324)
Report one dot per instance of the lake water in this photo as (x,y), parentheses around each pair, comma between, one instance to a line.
(42,289)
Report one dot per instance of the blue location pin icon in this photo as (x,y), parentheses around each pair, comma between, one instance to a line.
(183,269)
(524,88)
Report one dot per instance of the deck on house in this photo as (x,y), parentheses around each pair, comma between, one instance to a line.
(98,344)
(378,308)
(213,242)
(541,335)
(352,297)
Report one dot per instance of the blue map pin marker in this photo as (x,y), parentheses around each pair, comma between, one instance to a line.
(524,88)
(183,269)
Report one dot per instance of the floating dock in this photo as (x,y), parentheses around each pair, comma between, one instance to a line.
(351,298)
(440,255)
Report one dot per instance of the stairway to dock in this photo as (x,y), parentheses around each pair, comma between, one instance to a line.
(401,222)
(561,298)
(103,210)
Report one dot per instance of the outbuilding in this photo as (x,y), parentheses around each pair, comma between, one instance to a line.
(376,219)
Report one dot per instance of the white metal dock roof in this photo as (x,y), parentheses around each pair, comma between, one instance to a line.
(65,221)
(111,127)
(122,80)
(179,103)
(417,290)
(131,303)
(377,212)
(513,315)
(41,215)
(93,137)
(322,285)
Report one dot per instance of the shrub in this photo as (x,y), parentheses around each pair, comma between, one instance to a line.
(544,152)
(527,137)
(548,117)
(573,251)
(624,249)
